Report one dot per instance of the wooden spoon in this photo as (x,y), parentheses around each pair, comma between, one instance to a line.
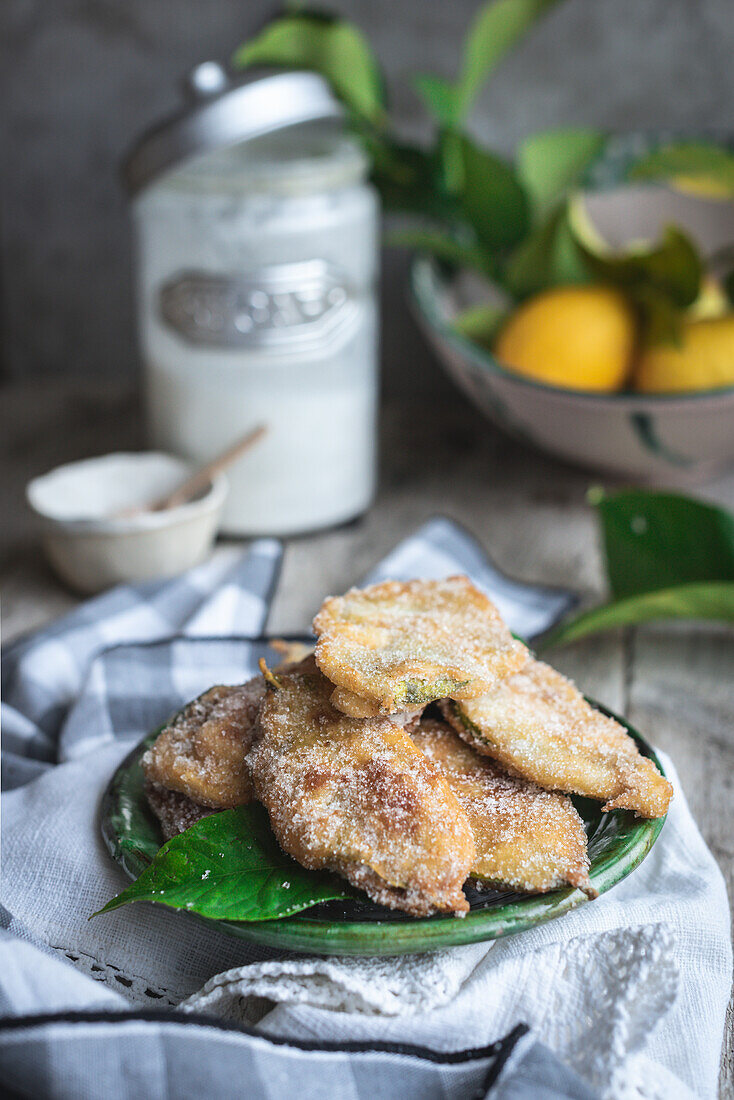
(199,479)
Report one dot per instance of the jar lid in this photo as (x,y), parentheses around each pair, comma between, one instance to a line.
(224,113)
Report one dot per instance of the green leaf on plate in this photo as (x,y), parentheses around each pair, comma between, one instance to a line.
(699,166)
(549,256)
(498,26)
(706,600)
(491,197)
(552,162)
(327,45)
(656,540)
(230,867)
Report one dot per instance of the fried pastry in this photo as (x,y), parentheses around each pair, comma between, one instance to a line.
(539,726)
(356,796)
(355,707)
(398,645)
(175,812)
(526,838)
(201,753)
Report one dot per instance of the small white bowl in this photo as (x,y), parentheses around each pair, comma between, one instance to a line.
(91,550)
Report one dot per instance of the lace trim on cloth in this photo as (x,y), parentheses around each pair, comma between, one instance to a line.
(372,986)
(134,988)
(628,980)
(629,987)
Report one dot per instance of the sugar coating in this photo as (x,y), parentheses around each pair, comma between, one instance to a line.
(538,725)
(356,796)
(526,838)
(201,753)
(398,644)
(408,819)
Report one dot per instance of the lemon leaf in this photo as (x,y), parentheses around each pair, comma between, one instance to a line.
(701,166)
(497,27)
(439,97)
(407,177)
(671,266)
(728,286)
(667,557)
(327,45)
(656,540)
(707,600)
(480,323)
(551,162)
(549,256)
(661,279)
(490,196)
(443,246)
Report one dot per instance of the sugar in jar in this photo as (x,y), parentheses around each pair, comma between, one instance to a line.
(257,246)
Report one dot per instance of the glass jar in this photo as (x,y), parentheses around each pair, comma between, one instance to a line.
(257,266)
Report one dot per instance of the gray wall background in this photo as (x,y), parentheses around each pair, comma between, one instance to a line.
(79,79)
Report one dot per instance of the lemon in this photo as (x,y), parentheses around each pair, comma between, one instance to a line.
(703,361)
(577,337)
(703,187)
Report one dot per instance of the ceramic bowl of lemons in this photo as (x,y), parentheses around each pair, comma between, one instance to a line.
(564,370)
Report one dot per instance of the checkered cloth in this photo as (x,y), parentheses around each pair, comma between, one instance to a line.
(70,686)
(78,692)
(123,662)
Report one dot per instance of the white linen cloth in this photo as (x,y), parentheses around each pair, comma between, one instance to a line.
(630,990)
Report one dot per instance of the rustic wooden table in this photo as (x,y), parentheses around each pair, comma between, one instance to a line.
(673,682)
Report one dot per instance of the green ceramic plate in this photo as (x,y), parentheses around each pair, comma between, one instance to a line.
(618,842)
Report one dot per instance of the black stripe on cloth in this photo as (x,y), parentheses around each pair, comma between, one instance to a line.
(501,1048)
(257,639)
